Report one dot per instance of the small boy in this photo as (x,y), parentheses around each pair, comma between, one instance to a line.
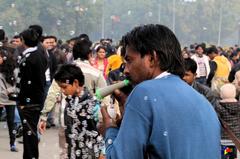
(81,132)
(190,76)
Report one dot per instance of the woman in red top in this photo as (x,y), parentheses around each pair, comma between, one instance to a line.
(101,61)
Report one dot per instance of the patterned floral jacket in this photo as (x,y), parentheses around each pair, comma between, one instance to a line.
(82,136)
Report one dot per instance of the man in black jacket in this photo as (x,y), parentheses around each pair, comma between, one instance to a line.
(32,67)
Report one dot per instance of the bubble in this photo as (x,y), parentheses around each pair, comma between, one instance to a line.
(24,64)
(154,99)
(14,22)
(28,100)
(165,133)
(18,80)
(59,22)
(29,82)
(109,141)
(13,5)
(14,131)
(145,98)
(72,32)
(29,133)
(150,14)
(24,121)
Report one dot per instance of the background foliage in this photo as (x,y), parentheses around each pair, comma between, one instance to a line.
(195,20)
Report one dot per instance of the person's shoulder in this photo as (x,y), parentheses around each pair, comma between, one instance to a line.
(37,54)
(201,88)
(197,84)
(86,67)
(157,83)
(194,56)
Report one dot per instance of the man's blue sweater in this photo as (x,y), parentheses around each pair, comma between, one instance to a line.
(165,119)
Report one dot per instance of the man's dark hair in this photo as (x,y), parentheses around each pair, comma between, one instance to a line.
(81,49)
(30,37)
(2,35)
(17,37)
(67,73)
(38,29)
(154,37)
(190,65)
(48,37)
(211,49)
(52,37)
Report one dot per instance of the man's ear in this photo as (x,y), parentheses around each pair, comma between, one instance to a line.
(76,82)
(195,75)
(153,58)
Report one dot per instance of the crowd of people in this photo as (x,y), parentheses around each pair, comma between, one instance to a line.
(178,105)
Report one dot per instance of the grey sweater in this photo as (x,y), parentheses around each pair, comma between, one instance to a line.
(5,88)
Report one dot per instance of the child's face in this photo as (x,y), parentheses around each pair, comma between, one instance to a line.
(189,77)
(70,89)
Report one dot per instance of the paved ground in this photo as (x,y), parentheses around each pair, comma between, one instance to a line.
(48,147)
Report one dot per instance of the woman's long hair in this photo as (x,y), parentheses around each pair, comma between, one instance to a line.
(8,66)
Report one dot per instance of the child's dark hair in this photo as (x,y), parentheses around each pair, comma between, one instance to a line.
(67,73)
(190,65)
(82,49)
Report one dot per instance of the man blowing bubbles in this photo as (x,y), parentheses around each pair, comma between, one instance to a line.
(164,117)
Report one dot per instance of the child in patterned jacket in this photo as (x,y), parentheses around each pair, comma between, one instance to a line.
(81,133)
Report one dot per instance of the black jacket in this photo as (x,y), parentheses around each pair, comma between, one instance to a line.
(207,92)
(32,78)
